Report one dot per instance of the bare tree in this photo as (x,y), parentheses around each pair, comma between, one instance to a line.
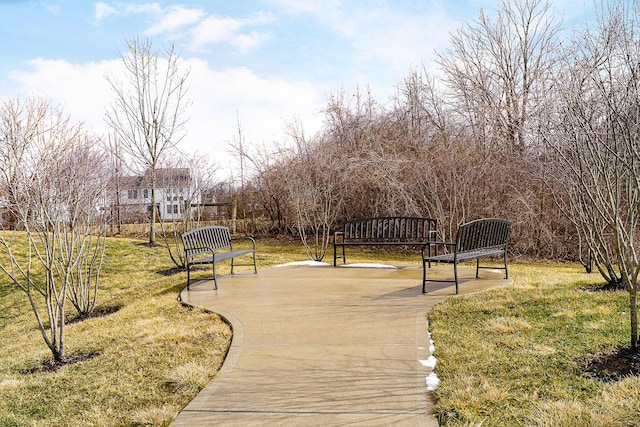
(497,70)
(115,158)
(53,184)
(149,109)
(594,142)
(84,175)
(421,111)
(21,122)
(261,176)
(315,186)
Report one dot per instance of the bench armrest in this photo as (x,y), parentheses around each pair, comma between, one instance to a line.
(335,237)
(251,239)
(442,244)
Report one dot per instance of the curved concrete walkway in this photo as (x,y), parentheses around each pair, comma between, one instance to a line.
(323,346)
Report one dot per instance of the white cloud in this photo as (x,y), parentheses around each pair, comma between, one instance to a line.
(80,89)
(149,8)
(220,98)
(326,7)
(263,106)
(103,10)
(195,25)
(175,18)
(215,30)
(231,31)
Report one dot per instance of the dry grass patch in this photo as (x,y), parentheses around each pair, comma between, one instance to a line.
(516,355)
(136,374)
(506,325)
(190,377)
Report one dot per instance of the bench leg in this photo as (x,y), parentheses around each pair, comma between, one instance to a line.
(335,255)
(425,280)
(506,270)
(188,277)
(215,279)
(255,265)
(455,275)
(424,274)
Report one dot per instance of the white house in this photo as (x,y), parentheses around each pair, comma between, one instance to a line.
(176,191)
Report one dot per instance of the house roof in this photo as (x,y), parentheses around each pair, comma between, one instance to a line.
(166,178)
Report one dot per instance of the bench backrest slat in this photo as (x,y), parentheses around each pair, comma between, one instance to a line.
(484,233)
(390,229)
(205,239)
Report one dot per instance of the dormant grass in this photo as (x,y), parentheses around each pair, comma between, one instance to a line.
(507,357)
(144,362)
(515,356)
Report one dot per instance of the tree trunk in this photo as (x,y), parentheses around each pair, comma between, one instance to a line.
(152,221)
(633,308)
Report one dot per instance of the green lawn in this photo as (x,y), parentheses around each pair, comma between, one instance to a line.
(516,356)
(510,356)
(148,359)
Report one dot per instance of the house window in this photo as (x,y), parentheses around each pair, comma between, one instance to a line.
(169,210)
(145,194)
(175,209)
(132,194)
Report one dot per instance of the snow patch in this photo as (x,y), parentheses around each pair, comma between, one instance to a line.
(430,362)
(432,381)
(303,263)
(366,265)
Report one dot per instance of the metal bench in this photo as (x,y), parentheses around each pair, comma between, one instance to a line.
(386,231)
(211,245)
(483,238)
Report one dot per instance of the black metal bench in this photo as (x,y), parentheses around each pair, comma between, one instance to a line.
(211,245)
(386,231)
(483,238)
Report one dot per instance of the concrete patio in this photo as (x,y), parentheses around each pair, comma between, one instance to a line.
(324,346)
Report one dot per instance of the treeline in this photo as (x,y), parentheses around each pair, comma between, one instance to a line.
(477,141)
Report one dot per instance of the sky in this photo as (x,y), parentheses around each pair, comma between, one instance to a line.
(260,65)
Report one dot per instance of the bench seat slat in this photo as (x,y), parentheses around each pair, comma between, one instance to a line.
(384,242)
(222,256)
(466,256)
